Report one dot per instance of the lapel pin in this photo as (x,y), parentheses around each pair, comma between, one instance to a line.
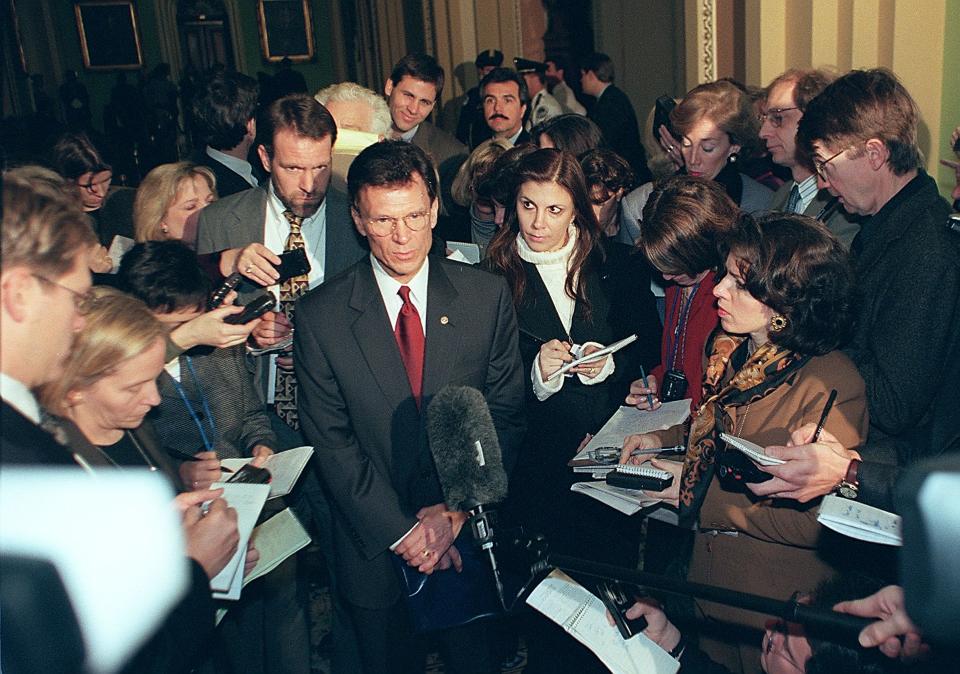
(444,320)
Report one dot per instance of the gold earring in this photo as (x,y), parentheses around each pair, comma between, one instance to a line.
(777,322)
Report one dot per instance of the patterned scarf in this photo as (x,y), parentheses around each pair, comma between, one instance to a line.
(725,386)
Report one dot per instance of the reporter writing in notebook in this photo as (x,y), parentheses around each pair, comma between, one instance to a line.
(208,403)
(106,388)
(682,222)
(570,285)
(784,302)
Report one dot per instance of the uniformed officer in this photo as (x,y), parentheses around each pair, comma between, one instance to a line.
(543,105)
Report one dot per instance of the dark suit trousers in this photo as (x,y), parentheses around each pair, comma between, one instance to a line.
(389,645)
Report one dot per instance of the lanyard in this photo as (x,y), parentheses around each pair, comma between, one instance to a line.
(207,440)
(678,341)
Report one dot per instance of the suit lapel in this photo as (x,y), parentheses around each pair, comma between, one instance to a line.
(374,336)
(538,316)
(445,323)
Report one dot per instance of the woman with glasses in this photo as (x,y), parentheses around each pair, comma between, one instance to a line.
(785,304)
(77,159)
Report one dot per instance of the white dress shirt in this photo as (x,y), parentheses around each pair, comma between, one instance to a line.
(390,289)
(276,229)
(16,394)
(239,166)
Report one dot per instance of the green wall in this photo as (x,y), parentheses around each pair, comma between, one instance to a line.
(950,104)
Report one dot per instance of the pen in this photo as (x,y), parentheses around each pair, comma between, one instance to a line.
(823,416)
(184,456)
(643,378)
(530,335)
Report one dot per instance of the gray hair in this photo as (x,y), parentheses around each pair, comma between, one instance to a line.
(353,92)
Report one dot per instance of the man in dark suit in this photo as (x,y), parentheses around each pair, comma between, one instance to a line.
(613,113)
(44,285)
(225,114)
(787,97)
(505,99)
(372,347)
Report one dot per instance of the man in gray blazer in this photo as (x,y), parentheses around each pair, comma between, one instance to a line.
(372,347)
(787,98)
(298,158)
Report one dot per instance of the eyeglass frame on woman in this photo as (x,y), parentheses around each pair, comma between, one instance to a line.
(775,115)
(420,217)
(82,302)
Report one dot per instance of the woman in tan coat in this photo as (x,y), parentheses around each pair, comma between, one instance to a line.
(784,302)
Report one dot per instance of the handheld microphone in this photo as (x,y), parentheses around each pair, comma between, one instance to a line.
(466,453)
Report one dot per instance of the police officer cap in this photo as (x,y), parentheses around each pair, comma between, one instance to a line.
(528,66)
(490,57)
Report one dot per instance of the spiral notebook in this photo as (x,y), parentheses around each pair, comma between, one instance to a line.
(584,617)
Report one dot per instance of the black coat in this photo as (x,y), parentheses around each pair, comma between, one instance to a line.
(908,329)
(615,116)
(618,290)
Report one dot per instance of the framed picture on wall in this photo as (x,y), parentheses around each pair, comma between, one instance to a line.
(109,37)
(286,30)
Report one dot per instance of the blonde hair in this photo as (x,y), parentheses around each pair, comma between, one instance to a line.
(726,105)
(117,327)
(157,193)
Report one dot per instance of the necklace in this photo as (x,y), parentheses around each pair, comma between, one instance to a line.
(151,466)
(741,419)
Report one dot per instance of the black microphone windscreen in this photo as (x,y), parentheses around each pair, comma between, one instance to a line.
(466,452)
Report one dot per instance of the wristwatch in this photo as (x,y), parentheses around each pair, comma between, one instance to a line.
(850,485)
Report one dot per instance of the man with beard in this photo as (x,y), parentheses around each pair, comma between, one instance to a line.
(292,210)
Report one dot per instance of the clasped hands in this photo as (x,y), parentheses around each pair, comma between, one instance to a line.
(555,354)
(429,545)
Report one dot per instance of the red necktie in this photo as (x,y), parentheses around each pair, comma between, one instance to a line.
(409,334)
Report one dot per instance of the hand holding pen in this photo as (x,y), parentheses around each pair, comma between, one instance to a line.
(643,393)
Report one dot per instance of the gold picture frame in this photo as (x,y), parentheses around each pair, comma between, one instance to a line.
(286,30)
(109,35)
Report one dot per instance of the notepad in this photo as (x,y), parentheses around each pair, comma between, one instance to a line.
(285,468)
(627,501)
(629,420)
(596,355)
(583,616)
(276,539)
(247,499)
(753,451)
(860,521)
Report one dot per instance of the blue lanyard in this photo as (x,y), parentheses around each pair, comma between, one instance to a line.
(207,441)
(679,338)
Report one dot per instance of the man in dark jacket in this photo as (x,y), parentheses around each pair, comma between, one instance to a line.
(861,133)
(614,113)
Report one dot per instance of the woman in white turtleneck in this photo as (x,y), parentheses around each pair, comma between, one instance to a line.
(573,290)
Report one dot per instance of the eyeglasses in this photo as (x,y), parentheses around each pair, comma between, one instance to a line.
(821,166)
(775,115)
(93,186)
(83,302)
(385,225)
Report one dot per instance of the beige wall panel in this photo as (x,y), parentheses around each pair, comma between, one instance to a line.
(799,34)
(824,40)
(919,64)
(886,15)
(866,35)
(844,35)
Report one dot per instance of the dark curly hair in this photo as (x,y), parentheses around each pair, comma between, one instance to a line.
(795,266)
